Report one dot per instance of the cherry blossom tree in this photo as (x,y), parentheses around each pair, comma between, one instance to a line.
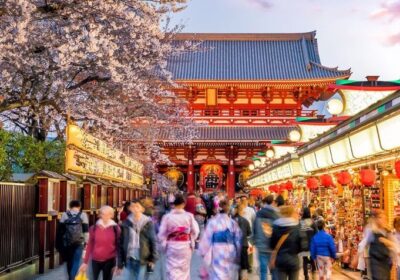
(103,62)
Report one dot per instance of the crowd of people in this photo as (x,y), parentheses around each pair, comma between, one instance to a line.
(227,234)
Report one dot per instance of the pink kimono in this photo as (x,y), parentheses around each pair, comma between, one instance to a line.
(177,234)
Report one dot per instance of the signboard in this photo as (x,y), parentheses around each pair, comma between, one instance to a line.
(88,155)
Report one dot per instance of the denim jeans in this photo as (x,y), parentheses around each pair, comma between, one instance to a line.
(73,260)
(135,270)
(263,259)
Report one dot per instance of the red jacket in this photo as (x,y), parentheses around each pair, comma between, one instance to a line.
(102,243)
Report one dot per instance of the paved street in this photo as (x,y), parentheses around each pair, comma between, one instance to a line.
(59,273)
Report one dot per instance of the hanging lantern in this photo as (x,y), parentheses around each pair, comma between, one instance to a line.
(344,178)
(289,185)
(397,168)
(282,187)
(312,183)
(326,180)
(368,177)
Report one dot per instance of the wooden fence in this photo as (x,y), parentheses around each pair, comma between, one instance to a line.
(19,237)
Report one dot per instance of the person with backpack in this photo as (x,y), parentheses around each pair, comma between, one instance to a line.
(221,244)
(307,231)
(323,251)
(137,246)
(72,234)
(263,223)
(102,246)
(286,242)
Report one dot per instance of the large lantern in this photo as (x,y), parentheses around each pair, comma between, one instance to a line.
(397,168)
(368,177)
(326,180)
(312,183)
(344,178)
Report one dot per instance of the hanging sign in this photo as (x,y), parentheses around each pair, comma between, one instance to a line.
(88,155)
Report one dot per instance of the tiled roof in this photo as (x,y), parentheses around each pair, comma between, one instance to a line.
(241,133)
(253,57)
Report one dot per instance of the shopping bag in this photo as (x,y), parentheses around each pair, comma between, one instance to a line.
(81,276)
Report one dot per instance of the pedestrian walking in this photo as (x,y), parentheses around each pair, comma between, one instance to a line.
(125,212)
(323,251)
(72,234)
(250,215)
(307,231)
(245,229)
(382,246)
(262,235)
(396,226)
(102,246)
(286,243)
(177,235)
(137,247)
(220,245)
(201,214)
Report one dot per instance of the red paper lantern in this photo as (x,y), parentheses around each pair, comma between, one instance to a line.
(344,178)
(312,183)
(368,177)
(289,185)
(397,168)
(326,180)
(274,188)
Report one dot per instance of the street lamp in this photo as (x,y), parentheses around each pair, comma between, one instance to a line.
(294,135)
(251,167)
(270,153)
(335,106)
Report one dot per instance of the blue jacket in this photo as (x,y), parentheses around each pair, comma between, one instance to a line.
(322,244)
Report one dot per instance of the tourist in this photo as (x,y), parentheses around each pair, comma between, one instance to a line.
(220,245)
(396,226)
(191,203)
(381,247)
(280,201)
(125,212)
(102,246)
(177,235)
(137,246)
(73,232)
(323,251)
(245,228)
(286,241)
(262,235)
(201,214)
(250,215)
(307,230)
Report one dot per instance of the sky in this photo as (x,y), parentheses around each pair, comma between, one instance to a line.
(363,35)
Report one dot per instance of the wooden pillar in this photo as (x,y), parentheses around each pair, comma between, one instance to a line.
(52,239)
(63,195)
(42,215)
(99,198)
(190,171)
(230,188)
(110,196)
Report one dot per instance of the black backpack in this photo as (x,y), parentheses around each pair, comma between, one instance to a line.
(306,233)
(73,230)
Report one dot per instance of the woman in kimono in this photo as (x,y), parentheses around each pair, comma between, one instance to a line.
(220,245)
(177,233)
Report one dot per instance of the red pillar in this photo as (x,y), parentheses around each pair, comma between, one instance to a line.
(231,173)
(63,196)
(190,171)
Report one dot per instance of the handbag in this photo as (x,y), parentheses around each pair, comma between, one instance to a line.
(81,276)
(274,254)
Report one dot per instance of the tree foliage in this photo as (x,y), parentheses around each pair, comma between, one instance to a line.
(25,154)
(101,61)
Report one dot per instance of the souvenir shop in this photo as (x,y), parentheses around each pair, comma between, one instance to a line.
(346,172)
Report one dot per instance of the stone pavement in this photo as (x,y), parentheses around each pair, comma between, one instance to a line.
(159,273)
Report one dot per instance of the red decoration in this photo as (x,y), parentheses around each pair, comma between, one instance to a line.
(326,180)
(312,183)
(344,178)
(368,177)
(282,187)
(397,168)
(274,188)
(289,185)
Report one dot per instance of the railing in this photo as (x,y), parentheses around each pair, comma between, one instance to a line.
(18,228)
(289,113)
